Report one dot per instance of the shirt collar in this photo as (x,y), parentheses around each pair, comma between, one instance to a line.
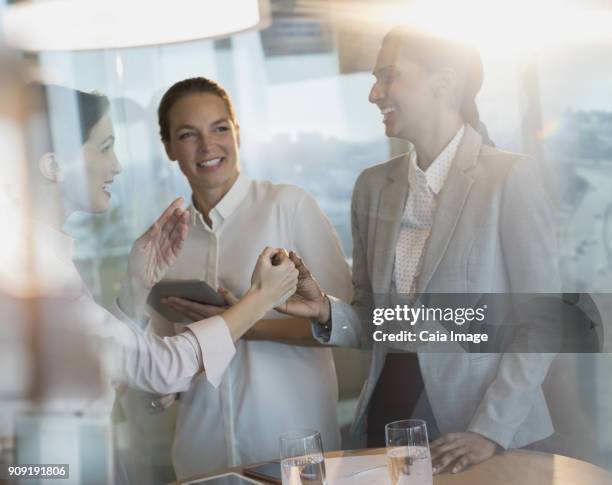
(436,174)
(227,205)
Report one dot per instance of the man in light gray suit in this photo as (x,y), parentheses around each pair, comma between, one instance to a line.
(453,215)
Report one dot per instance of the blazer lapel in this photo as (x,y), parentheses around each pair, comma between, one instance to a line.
(450,205)
(388,220)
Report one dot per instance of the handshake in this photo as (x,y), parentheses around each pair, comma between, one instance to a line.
(280,280)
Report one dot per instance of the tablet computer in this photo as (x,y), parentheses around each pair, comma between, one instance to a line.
(195,290)
(270,471)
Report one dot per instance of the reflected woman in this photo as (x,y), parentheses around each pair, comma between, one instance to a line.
(70,148)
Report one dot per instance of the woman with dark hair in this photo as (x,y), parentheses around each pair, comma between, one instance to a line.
(453,215)
(70,145)
(455,67)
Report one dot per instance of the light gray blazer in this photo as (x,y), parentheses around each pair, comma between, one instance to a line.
(493,233)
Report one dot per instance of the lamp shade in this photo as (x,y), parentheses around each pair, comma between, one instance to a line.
(68,25)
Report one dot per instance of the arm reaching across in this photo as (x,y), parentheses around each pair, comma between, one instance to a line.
(295,331)
(168,364)
(289,330)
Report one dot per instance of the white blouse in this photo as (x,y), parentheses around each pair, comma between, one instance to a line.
(269,388)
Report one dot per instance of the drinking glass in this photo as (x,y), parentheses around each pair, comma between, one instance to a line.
(302,461)
(408,458)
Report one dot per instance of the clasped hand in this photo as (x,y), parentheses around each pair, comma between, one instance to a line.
(274,274)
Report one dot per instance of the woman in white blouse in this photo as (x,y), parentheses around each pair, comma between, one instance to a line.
(269,387)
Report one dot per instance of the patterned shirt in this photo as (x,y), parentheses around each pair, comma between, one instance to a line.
(417,221)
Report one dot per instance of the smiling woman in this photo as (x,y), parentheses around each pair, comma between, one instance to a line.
(231,217)
(60,159)
(199,130)
(99,166)
(76,152)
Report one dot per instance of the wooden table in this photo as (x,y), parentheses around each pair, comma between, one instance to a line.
(516,467)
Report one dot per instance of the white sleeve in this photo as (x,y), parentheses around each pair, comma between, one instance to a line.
(151,363)
(216,344)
